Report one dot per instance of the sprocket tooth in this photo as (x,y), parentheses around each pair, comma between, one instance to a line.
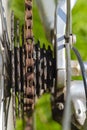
(38,78)
(50,69)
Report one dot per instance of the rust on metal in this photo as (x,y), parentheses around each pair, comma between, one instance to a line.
(29,66)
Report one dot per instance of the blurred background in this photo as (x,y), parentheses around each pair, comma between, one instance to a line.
(79,22)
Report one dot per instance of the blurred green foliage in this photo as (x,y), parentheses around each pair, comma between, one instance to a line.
(80,26)
(18,7)
(43,109)
(44,119)
(38,29)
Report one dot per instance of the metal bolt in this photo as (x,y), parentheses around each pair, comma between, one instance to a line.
(60,106)
(72,39)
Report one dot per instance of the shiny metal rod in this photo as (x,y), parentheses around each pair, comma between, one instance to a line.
(67,111)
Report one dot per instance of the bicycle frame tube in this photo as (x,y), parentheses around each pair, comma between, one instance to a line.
(2,114)
(5,18)
(47,14)
(47,11)
(60,42)
(7,15)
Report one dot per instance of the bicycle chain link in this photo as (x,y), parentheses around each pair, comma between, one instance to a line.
(29,88)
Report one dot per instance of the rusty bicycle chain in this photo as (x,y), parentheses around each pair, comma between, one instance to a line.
(29,88)
(42,59)
(32,71)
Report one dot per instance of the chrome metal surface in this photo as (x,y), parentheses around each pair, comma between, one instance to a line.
(47,12)
(60,41)
(79,101)
(76,68)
